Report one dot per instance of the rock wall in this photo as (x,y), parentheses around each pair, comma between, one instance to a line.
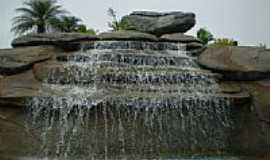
(133,63)
(248,68)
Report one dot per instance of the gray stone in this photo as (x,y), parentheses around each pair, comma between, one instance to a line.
(127,35)
(17,60)
(35,39)
(193,45)
(161,23)
(237,63)
(178,37)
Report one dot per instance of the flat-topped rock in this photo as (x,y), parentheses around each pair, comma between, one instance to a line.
(193,45)
(127,35)
(179,37)
(35,39)
(13,61)
(160,23)
(237,63)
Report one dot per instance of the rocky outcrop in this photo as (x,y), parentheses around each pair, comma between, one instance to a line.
(127,35)
(160,23)
(251,136)
(139,71)
(14,61)
(237,63)
(59,39)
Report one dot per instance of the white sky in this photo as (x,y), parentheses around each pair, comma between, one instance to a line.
(247,21)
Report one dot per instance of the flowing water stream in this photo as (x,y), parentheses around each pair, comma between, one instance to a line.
(130,100)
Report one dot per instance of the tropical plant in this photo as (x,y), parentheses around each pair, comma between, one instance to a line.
(67,24)
(117,25)
(37,15)
(83,29)
(222,42)
(205,36)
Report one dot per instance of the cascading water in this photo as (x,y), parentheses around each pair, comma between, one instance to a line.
(129,100)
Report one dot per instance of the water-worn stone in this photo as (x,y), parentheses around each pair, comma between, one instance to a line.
(111,81)
(160,23)
(127,35)
(237,63)
(178,37)
(61,39)
(58,73)
(13,61)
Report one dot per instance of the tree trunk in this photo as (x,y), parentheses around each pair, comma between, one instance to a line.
(41,29)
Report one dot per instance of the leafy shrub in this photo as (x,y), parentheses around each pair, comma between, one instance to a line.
(117,25)
(205,36)
(223,42)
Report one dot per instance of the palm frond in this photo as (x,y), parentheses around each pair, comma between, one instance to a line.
(36,13)
(22,28)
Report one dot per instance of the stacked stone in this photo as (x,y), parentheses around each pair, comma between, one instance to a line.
(35,57)
(144,26)
(169,27)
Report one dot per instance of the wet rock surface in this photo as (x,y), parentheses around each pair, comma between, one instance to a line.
(127,35)
(237,63)
(161,23)
(178,37)
(118,94)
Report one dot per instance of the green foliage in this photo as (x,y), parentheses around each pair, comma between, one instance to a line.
(117,25)
(67,23)
(37,15)
(205,36)
(223,42)
(83,29)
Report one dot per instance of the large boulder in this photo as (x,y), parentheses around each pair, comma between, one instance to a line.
(13,61)
(237,63)
(160,23)
(60,39)
(127,35)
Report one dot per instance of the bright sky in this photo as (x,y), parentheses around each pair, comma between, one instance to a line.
(244,20)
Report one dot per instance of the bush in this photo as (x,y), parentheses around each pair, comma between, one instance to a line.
(223,42)
(204,36)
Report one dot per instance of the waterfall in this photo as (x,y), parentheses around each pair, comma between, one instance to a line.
(129,100)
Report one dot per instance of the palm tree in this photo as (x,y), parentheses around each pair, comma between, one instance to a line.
(67,24)
(117,25)
(37,14)
(205,36)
